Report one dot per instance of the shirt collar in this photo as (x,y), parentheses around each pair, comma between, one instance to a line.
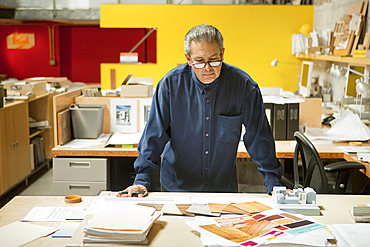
(211,85)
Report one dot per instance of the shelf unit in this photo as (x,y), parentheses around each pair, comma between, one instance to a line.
(338,59)
(15,155)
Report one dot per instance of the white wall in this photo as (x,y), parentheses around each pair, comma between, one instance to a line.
(326,14)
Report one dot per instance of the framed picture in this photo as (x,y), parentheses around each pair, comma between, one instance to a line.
(145,104)
(123,115)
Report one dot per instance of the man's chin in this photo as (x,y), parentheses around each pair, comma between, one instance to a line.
(208,79)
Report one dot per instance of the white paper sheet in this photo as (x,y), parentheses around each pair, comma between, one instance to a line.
(348,128)
(66,229)
(84,143)
(314,238)
(100,202)
(364,157)
(56,214)
(136,218)
(120,138)
(20,233)
(281,99)
(352,235)
(354,149)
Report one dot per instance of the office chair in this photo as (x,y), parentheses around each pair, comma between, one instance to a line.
(314,172)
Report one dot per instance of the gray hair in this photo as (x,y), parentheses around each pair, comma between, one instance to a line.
(203,34)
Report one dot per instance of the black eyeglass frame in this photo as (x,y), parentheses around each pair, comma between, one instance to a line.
(211,63)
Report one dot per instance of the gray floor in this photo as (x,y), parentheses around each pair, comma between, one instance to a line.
(41,187)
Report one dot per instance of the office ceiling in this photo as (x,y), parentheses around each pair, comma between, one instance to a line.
(88,12)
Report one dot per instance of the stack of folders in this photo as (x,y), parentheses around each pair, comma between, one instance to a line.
(361,213)
(124,224)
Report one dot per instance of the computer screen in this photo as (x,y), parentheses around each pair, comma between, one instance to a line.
(306,77)
(352,77)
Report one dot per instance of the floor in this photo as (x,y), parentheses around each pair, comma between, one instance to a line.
(41,187)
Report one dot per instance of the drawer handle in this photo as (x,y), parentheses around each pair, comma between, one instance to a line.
(79,187)
(79,164)
(15,87)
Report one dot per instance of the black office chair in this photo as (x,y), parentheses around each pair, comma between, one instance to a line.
(313,171)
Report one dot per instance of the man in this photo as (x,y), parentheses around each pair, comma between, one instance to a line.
(196,120)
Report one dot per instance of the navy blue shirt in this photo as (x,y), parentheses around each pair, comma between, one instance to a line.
(196,128)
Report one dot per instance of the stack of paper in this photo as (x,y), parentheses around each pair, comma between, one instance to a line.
(348,128)
(361,213)
(121,224)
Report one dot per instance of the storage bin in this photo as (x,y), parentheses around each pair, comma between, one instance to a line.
(87,121)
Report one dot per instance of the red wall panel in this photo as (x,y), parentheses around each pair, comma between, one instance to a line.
(24,63)
(79,50)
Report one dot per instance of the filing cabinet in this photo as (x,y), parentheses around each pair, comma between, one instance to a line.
(82,176)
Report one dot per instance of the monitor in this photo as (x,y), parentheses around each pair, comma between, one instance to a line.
(350,89)
(306,77)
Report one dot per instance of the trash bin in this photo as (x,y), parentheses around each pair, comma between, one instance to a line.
(87,121)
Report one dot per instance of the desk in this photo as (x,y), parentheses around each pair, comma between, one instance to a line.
(170,230)
(284,149)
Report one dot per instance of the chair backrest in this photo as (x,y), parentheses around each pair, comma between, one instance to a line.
(312,172)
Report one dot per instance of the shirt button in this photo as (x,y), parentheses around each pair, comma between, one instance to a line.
(206,152)
(207,134)
(207,118)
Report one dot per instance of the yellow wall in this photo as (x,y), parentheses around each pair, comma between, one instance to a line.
(254,35)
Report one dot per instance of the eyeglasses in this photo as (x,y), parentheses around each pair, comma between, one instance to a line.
(202,65)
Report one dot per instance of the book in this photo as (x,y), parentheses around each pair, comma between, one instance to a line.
(32,155)
(39,124)
(361,213)
(38,150)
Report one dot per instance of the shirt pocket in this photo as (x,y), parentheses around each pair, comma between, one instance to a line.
(229,128)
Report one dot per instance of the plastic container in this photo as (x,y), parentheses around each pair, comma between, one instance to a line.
(87,121)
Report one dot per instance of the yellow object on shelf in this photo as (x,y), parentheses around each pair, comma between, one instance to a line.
(361,54)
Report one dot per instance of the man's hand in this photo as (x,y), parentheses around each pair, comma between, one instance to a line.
(287,191)
(134,190)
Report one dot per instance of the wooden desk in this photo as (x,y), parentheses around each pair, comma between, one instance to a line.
(284,149)
(169,230)
(353,157)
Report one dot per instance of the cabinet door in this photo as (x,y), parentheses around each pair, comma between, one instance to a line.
(15,150)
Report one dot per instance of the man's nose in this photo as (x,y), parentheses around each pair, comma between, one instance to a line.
(207,67)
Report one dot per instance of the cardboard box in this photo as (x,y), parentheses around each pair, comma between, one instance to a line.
(310,112)
(136,91)
(23,88)
(137,87)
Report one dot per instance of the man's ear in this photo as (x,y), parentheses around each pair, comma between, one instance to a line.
(223,52)
(188,59)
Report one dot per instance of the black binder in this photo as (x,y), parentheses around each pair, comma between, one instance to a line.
(279,122)
(292,124)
